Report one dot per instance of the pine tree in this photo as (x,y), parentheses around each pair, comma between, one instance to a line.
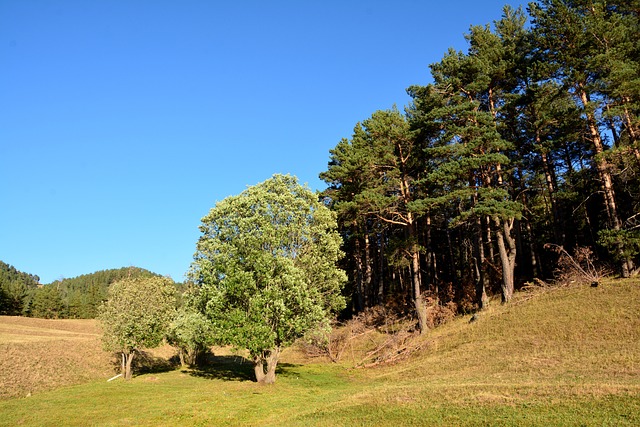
(564,31)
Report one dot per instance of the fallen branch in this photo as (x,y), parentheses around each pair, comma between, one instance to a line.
(111,379)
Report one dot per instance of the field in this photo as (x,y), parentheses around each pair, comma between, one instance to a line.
(566,356)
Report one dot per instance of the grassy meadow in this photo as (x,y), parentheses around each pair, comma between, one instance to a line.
(561,356)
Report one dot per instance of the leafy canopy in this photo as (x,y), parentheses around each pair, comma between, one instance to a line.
(266,262)
(190,332)
(137,313)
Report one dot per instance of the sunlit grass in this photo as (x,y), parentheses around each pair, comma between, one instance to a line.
(316,395)
(560,357)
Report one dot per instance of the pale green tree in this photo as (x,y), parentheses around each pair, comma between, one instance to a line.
(136,316)
(266,264)
(191,333)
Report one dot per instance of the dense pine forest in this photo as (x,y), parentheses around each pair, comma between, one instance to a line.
(14,288)
(518,163)
(520,158)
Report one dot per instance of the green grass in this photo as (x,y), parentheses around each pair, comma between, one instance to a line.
(310,396)
(563,357)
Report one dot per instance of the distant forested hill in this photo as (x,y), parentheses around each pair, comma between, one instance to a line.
(82,295)
(21,294)
(14,288)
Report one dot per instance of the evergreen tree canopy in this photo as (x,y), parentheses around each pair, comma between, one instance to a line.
(14,289)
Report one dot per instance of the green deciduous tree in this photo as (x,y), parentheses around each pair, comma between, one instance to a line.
(191,333)
(266,263)
(136,316)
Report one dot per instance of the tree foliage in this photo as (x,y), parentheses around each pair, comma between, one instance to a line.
(266,264)
(191,333)
(82,295)
(15,287)
(47,303)
(136,316)
(67,298)
(528,138)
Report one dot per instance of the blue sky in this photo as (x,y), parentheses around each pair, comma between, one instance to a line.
(123,122)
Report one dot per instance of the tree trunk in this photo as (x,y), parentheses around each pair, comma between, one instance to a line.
(272,363)
(418,302)
(481,279)
(368,270)
(128,358)
(271,357)
(453,271)
(491,254)
(358,301)
(507,249)
(258,369)
(381,278)
(533,252)
(432,268)
(181,355)
(192,356)
(605,176)
(549,178)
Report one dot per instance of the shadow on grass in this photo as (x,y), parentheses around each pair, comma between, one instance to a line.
(232,368)
(145,363)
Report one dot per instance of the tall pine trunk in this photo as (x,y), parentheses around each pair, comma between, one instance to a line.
(368,270)
(418,301)
(358,300)
(605,177)
(481,279)
(507,249)
(551,188)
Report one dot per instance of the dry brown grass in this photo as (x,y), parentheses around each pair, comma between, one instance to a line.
(559,340)
(576,340)
(42,354)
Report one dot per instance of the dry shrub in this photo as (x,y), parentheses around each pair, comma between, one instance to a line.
(581,267)
(386,318)
(438,314)
(378,335)
(465,298)
(396,347)
(332,343)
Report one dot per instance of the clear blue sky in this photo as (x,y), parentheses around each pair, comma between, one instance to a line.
(123,122)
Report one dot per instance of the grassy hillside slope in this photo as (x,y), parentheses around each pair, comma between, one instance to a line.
(41,354)
(567,356)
